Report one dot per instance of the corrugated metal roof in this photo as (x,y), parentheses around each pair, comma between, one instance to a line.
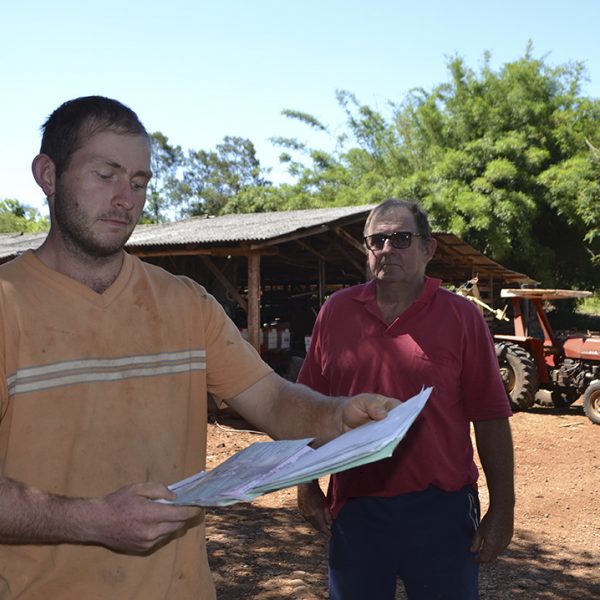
(239,227)
(261,228)
(206,230)
(12,244)
(453,251)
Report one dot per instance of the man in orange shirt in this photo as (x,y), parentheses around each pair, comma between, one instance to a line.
(105,363)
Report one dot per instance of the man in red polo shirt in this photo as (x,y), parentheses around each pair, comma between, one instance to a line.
(414,516)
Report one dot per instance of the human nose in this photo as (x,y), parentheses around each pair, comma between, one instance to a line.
(124,196)
(387,245)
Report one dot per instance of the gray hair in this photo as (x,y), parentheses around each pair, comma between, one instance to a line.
(392,204)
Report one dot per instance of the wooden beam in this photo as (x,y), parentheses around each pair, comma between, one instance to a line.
(350,239)
(310,249)
(359,267)
(322,282)
(254,300)
(224,281)
(142,253)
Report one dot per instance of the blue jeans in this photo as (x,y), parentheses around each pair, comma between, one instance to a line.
(423,538)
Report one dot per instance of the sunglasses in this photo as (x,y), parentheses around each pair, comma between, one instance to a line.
(399,240)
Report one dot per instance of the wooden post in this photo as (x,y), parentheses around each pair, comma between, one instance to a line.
(254,300)
(321,281)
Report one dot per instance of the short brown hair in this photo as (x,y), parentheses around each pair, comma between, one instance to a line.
(72,122)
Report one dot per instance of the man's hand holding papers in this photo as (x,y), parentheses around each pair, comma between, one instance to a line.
(268,466)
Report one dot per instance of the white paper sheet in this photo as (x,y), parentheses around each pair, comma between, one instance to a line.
(268,466)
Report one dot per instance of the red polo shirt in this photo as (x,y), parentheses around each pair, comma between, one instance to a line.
(441,341)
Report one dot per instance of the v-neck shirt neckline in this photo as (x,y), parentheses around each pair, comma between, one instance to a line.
(67,285)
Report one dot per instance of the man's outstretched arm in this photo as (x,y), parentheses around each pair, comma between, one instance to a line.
(286,410)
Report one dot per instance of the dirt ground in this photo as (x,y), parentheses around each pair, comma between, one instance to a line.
(265,551)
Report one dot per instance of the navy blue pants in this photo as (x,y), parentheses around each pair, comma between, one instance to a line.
(423,538)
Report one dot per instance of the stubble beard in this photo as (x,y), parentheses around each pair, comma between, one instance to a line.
(77,234)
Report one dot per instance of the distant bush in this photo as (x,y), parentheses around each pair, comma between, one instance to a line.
(590,306)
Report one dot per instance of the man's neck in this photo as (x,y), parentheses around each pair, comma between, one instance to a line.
(97,273)
(394,299)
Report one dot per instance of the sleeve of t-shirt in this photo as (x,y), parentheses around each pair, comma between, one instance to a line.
(481,383)
(232,364)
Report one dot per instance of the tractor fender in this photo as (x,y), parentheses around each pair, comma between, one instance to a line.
(583,347)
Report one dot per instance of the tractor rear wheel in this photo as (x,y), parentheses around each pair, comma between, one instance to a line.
(519,374)
(591,403)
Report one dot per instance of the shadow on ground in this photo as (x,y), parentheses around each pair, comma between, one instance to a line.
(575,409)
(264,554)
(530,569)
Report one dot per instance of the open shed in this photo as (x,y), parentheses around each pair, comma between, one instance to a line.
(272,271)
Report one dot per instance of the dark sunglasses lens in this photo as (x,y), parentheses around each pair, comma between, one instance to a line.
(376,241)
(401,239)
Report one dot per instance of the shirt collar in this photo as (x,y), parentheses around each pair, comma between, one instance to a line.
(368,291)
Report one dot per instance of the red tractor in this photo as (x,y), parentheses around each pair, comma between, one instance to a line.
(538,366)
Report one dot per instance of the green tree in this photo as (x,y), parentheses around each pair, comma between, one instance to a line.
(166,191)
(216,177)
(503,158)
(18,217)
(500,158)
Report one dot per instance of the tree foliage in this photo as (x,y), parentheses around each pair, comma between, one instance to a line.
(18,217)
(217,176)
(201,182)
(167,191)
(506,159)
(501,159)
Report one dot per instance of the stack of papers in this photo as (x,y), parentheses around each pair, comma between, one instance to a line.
(268,466)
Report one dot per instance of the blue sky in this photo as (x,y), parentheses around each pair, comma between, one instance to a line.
(199,70)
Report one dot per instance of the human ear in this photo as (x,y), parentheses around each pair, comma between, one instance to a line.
(431,248)
(44,173)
